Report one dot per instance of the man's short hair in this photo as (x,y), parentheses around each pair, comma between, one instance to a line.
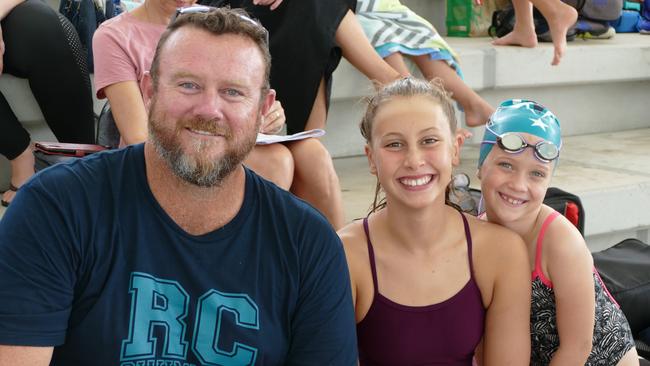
(218,21)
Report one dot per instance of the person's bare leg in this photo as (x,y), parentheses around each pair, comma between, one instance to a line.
(523,33)
(477,110)
(22,168)
(560,18)
(318,114)
(396,61)
(273,162)
(315,179)
(359,52)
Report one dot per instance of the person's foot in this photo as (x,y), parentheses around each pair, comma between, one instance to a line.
(22,168)
(478,112)
(559,23)
(524,37)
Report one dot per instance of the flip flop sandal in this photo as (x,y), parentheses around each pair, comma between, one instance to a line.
(13,189)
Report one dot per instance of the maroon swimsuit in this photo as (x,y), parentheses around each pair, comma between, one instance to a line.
(445,333)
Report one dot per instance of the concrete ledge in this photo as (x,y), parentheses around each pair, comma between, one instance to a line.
(626,57)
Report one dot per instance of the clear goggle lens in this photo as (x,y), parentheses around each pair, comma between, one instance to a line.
(545,151)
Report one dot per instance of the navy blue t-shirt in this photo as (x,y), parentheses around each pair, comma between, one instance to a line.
(91,264)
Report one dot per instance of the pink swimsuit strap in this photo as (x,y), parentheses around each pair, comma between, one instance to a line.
(538,273)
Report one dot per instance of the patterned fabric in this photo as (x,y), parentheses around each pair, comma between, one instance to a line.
(392,27)
(612,334)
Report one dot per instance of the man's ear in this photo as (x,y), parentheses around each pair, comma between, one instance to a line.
(268,101)
(371,162)
(478,173)
(147,89)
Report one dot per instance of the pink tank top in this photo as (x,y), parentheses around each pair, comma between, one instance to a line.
(445,333)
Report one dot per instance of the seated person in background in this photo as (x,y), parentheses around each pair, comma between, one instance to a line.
(123,49)
(574,320)
(394,30)
(430,283)
(191,258)
(559,16)
(40,45)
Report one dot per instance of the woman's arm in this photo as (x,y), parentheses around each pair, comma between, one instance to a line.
(503,262)
(570,268)
(7,6)
(128,111)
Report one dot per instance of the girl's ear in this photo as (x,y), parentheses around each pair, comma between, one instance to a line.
(371,162)
(459,140)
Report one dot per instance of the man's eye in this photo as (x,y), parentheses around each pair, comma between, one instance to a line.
(394,144)
(188,85)
(233,93)
(429,141)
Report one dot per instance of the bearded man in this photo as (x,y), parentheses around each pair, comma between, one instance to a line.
(171,252)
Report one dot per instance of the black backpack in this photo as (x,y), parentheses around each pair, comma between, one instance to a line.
(625,270)
(569,205)
(593,17)
(503,22)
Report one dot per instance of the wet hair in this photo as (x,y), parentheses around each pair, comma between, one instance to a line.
(218,21)
(407,87)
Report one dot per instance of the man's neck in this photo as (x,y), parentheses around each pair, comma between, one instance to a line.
(197,210)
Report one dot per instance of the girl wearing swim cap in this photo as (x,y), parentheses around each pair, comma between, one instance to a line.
(574,319)
(430,283)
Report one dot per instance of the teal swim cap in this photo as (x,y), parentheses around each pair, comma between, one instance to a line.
(524,116)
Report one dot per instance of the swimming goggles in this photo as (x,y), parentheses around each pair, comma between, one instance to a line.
(512,142)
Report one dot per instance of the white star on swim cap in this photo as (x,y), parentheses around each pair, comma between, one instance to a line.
(537,122)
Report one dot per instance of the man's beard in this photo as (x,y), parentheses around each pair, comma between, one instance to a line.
(196,169)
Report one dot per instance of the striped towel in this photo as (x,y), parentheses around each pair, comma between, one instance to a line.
(392,27)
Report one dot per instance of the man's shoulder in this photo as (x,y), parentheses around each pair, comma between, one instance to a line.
(91,171)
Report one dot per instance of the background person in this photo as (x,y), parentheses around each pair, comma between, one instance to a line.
(40,45)
(395,31)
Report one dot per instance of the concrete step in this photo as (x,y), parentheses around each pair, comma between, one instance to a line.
(600,86)
(610,172)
